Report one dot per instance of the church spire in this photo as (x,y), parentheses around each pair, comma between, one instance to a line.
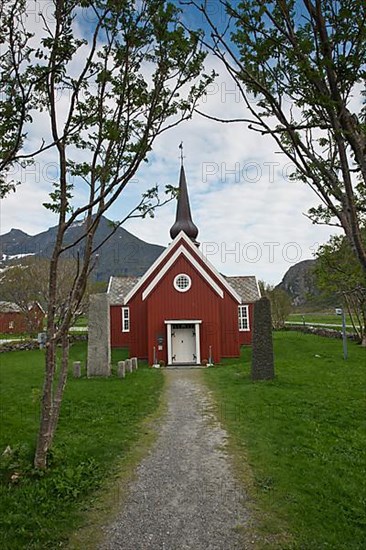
(183,220)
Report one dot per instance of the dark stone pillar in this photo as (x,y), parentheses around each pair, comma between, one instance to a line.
(262,358)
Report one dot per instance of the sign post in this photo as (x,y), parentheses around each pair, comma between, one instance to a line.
(42,339)
(340,311)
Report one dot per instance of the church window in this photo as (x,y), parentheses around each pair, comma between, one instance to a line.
(243,312)
(182,282)
(125,319)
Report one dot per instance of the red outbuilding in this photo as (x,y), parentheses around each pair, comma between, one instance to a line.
(14,320)
(182,310)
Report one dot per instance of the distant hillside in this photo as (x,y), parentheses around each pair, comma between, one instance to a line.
(299,283)
(122,254)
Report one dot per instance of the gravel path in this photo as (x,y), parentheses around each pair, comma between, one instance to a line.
(184,495)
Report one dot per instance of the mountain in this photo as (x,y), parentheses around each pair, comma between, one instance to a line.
(121,254)
(299,283)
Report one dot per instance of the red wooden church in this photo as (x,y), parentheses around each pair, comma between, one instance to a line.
(182,310)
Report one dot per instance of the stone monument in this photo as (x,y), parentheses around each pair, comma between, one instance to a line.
(262,355)
(99,349)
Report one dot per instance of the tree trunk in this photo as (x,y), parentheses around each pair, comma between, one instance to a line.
(51,403)
(43,440)
(60,388)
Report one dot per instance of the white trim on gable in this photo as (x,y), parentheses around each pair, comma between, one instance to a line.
(212,268)
(182,250)
(109,284)
(149,272)
(162,257)
(259,290)
(38,304)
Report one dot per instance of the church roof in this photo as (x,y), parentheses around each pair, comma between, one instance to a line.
(9,307)
(246,287)
(119,287)
(183,221)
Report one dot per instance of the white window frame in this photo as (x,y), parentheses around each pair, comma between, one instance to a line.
(125,319)
(243,318)
(11,325)
(175,282)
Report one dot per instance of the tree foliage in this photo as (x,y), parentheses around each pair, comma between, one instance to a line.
(338,273)
(280,303)
(300,68)
(110,76)
(17,85)
(28,282)
(14,98)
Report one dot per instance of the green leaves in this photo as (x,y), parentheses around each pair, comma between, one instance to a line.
(119,86)
(303,63)
(57,204)
(338,272)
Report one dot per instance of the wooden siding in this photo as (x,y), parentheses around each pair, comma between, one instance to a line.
(136,339)
(200,302)
(219,316)
(245,336)
(229,327)
(16,322)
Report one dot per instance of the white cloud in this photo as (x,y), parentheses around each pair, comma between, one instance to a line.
(240,199)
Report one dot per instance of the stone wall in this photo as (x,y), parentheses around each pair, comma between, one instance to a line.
(28,345)
(321,331)
(23,345)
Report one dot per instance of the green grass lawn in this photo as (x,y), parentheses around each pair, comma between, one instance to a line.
(319,318)
(304,437)
(81,321)
(16,336)
(101,419)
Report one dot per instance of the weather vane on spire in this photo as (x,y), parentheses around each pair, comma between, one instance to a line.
(182,157)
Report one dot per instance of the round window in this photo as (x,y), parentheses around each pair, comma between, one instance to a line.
(182,282)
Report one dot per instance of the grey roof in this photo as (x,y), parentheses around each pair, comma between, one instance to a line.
(119,287)
(9,307)
(245,286)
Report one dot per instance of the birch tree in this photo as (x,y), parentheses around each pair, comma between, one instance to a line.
(111,75)
(15,88)
(300,69)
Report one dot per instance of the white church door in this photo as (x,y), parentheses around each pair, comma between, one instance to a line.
(184,344)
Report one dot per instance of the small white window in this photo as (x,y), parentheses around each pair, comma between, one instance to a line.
(243,312)
(182,282)
(125,319)
(11,324)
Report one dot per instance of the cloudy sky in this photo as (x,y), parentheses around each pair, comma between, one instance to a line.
(250,216)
